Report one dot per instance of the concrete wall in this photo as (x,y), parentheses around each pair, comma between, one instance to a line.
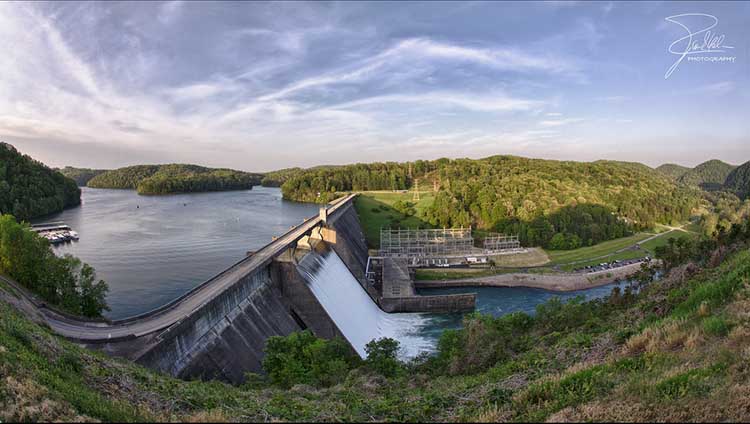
(440,303)
(226,338)
(349,241)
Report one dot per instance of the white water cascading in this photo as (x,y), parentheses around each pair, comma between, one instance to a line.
(354,312)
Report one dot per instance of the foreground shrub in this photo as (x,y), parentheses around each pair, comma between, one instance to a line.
(382,356)
(302,358)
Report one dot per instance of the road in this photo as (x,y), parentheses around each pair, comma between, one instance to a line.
(183,307)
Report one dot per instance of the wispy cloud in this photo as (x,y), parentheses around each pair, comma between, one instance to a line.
(560,122)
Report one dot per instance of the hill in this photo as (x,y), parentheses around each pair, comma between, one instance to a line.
(80,175)
(175,178)
(672,170)
(279,177)
(709,175)
(584,202)
(673,350)
(29,189)
(738,181)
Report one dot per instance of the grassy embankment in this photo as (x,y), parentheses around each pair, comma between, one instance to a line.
(677,351)
(375,210)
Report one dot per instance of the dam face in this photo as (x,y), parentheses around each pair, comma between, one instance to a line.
(226,338)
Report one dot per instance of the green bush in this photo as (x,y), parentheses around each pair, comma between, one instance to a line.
(382,357)
(302,358)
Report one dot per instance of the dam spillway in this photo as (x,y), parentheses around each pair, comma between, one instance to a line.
(354,312)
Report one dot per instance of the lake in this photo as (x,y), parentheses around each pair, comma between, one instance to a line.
(152,249)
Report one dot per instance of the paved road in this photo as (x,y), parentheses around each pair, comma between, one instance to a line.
(186,305)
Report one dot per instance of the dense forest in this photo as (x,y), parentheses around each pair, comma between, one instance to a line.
(724,210)
(279,177)
(672,170)
(322,183)
(29,189)
(709,175)
(738,181)
(175,178)
(80,175)
(529,194)
(548,203)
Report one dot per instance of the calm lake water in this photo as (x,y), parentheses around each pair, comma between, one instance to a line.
(152,249)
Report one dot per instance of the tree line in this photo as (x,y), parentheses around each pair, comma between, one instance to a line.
(323,183)
(80,175)
(175,178)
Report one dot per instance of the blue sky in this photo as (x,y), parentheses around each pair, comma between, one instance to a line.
(260,86)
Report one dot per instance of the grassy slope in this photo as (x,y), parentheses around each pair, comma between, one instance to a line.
(601,249)
(677,351)
(375,212)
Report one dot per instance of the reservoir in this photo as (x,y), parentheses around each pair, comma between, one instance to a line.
(152,249)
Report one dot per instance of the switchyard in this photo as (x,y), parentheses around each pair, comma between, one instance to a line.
(390,271)
(431,245)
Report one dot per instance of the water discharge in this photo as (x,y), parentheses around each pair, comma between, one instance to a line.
(355,313)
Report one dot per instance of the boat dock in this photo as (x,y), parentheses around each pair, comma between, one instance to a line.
(55,232)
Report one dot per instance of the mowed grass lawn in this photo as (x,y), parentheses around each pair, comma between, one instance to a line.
(604,248)
(375,210)
(663,239)
(605,252)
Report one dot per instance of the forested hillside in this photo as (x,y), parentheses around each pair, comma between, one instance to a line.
(174,178)
(322,183)
(80,175)
(279,177)
(29,189)
(539,198)
(709,175)
(582,202)
(672,170)
(738,181)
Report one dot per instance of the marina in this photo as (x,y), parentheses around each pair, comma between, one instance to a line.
(56,233)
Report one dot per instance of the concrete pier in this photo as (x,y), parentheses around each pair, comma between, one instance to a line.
(399,294)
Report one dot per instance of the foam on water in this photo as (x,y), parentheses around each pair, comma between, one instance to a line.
(354,312)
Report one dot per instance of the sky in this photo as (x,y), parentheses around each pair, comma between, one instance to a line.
(260,86)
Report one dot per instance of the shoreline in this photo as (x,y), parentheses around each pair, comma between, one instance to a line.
(552,282)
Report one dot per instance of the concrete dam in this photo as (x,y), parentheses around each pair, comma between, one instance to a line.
(311,278)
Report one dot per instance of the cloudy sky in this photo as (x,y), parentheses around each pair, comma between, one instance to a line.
(259,86)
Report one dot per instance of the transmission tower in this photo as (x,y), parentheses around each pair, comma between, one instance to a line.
(416,190)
